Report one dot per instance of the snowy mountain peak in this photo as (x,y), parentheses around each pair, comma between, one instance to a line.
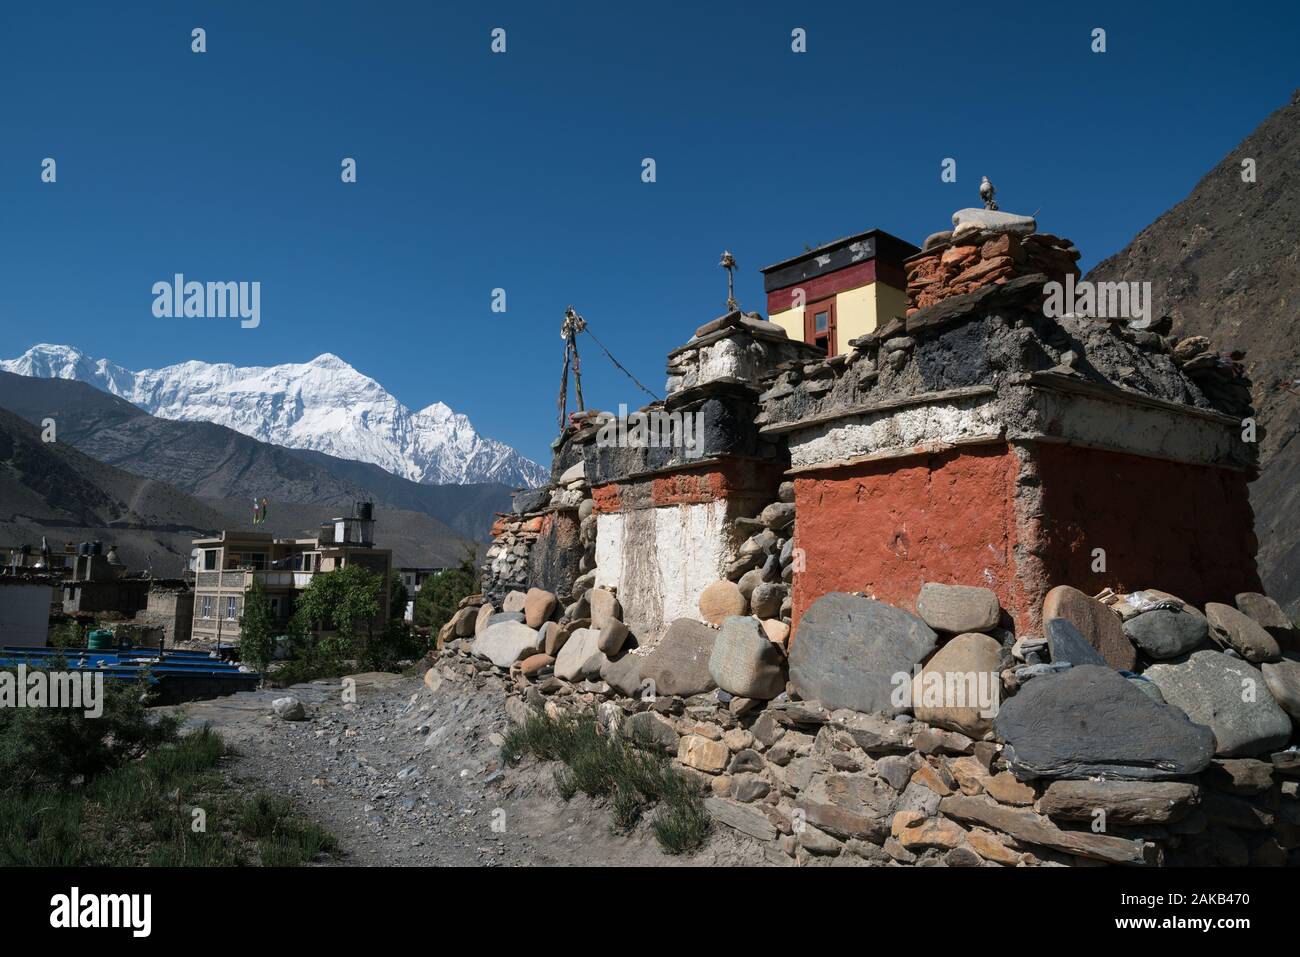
(324,404)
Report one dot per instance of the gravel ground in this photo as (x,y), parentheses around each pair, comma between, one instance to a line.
(405,776)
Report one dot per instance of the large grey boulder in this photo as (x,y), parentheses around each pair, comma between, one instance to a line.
(1274,620)
(1167,632)
(581,655)
(849,650)
(623,674)
(1241,633)
(745,662)
(1229,696)
(679,664)
(506,642)
(1283,680)
(1089,720)
(958,608)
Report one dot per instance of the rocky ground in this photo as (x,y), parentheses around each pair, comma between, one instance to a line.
(406,776)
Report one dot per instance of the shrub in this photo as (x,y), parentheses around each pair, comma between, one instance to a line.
(57,746)
(257,629)
(633,778)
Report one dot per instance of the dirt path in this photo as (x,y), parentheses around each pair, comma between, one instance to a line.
(408,777)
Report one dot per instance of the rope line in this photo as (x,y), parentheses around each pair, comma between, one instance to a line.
(620,365)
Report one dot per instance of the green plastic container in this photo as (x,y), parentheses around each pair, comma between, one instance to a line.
(100,639)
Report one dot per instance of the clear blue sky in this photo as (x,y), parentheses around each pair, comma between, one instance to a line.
(523,170)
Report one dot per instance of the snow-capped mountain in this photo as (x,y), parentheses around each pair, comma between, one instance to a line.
(324,404)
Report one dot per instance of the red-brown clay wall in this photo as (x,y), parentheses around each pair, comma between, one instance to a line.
(884,528)
(1185,529)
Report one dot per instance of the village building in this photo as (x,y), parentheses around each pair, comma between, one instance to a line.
(26,600)
(227,565)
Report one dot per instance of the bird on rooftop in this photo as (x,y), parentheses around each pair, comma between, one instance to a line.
(987,192)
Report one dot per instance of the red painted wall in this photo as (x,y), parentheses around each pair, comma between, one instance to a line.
(1185,529)
(885,528)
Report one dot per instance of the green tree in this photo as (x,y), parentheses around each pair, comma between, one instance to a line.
(397,598)
(347,601)
(441,594)
(257,628)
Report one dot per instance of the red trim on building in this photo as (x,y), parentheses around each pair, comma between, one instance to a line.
(779,300)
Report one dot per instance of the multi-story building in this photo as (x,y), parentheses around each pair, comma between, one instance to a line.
(226,567)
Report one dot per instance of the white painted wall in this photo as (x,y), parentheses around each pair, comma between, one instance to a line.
(661,559)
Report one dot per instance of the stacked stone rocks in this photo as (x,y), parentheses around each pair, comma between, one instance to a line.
(505,566)
(757,583)
(1060,753)
(513,560)
(985,248)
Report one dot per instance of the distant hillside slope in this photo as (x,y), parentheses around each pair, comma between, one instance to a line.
(54,490)
(215,462)
(1225,264)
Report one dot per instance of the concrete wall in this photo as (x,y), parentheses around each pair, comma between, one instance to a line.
(25,614)
(173,611)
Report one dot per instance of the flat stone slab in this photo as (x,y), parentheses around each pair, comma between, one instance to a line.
(1233,629)
(1090,720)
(679,664)
(993,220)
(958,608)
(1123,802)
(745,818)
(1066,645)
(1025,825)
(506,642)
(849,650)
(1165,633)
(1213,689)
(1098,624)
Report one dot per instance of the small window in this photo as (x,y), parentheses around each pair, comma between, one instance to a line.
(207,606)
(232,608)
(819,325)
(210,560)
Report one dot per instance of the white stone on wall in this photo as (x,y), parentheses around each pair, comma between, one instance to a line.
(1125,427)
(894,430)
